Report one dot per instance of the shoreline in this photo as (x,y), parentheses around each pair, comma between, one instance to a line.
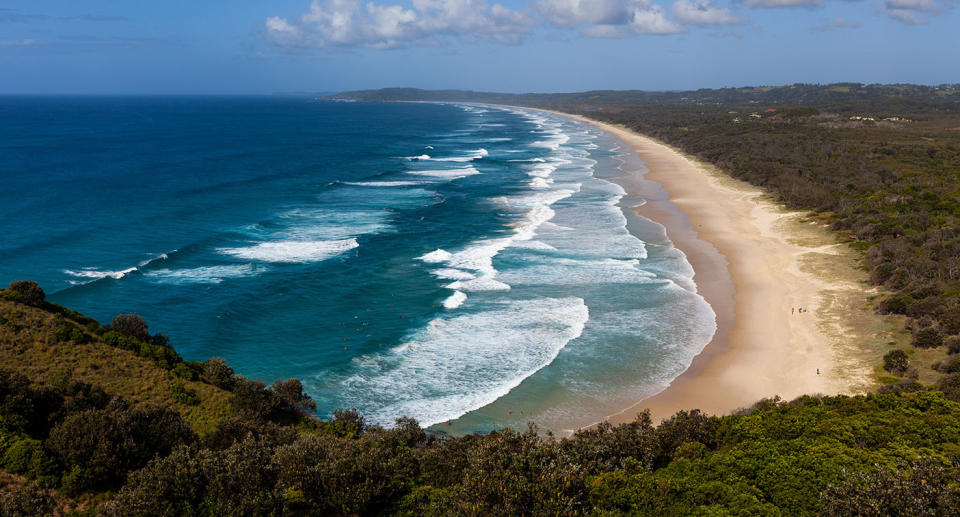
(756,264)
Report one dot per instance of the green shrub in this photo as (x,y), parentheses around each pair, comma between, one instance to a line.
(184,395)
(28,500)
(73,481)
(66,332)
(924,487)
(896,362)
(131,325)
(953,344)
(108,443)
(28,457)
(185,371)
(216,371)
(25,291)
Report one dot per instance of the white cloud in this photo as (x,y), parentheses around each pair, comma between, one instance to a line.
(912,5)
(769,4)
(702,12)
(909,11)
(381,24)
(906,16)
(571,13)
(348,23)
(648,18)
(837,23)
(607,18)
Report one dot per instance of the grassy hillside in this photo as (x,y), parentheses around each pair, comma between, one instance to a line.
(29,345)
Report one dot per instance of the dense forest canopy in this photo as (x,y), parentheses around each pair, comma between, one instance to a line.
(942,99)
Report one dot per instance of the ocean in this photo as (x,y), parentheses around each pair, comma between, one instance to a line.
(456,263)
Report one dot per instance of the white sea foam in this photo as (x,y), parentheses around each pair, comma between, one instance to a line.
(541,183)
(553,143)
(474,155)
(455,300)
(567,271)
(383,183)
(461,363)
(542,171)
(436,256)
(201,275)
(292,251)
(94,273)
(483,283)
(534,245)
(452,274)
(478,256)
(324,224)
(449,174)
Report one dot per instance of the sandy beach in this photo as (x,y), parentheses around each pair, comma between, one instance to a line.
(757,264)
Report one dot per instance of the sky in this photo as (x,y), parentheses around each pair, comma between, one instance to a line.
(262,47)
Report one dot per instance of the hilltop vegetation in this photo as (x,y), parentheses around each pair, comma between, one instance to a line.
(932,101)
(879,163)
(79,440)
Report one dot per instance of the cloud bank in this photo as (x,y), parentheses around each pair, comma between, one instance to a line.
(910,12)
(352,23)
(344,23)
(380,24)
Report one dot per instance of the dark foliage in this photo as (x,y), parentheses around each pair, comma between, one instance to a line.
(108,443)
(774,459)
(895,361)
(923,487)
(217,372)
(131,325)
(28,500)
(27,292)
(291,395)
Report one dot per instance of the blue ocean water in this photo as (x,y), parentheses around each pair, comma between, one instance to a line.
(440,261)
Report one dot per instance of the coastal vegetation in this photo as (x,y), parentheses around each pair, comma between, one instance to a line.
(94,425)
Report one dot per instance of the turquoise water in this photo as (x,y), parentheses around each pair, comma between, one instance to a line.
(447,262)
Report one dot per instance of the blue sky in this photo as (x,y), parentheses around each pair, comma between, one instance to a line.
(256,46)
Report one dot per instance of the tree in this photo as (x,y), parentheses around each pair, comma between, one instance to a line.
(928,337)
(27,292)
(896,362)
(953,344)
(26,501)
(291,394)
(253,400)
(131,325)
(924,487)
(108,443)
(216,371)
